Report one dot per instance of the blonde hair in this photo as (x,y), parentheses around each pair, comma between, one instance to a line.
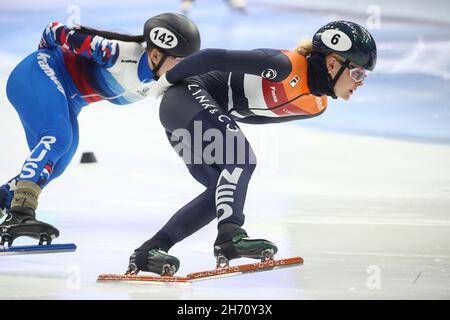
(304,47)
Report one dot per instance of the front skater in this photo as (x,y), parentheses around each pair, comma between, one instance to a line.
(256,87)
(72,69)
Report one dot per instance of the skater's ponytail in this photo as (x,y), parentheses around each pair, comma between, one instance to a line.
(109,34)
(304,47)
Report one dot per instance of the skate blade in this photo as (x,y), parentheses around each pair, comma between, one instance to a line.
(141,279)
(246,268)
(51,248)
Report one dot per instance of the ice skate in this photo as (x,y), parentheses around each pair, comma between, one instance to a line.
(233,242)
(21,222)
(156,261)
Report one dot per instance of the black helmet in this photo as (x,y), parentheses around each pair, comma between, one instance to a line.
(172,33)
(349,40)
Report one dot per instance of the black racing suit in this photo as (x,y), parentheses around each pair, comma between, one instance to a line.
(212,92)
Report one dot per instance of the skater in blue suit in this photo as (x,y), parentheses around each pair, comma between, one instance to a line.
(73,68)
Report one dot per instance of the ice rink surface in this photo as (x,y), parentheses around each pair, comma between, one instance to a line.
(362,192)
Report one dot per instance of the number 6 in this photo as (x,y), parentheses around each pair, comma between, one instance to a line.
(335,38)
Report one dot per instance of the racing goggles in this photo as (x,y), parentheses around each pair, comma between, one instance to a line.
(357,74)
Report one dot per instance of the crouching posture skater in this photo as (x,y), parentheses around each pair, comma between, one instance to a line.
(214,90)
(73,68)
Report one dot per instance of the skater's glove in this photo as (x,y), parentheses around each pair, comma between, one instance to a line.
(160,87)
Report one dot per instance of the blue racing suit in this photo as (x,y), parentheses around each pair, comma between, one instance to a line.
(48,89)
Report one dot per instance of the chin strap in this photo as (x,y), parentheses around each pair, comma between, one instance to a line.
(155,71)
(333,81)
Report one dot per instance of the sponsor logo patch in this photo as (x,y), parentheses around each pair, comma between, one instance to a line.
(269,74)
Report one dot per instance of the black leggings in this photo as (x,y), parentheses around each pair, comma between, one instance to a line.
(217,155)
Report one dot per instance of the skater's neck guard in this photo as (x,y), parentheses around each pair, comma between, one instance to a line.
(320,82)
